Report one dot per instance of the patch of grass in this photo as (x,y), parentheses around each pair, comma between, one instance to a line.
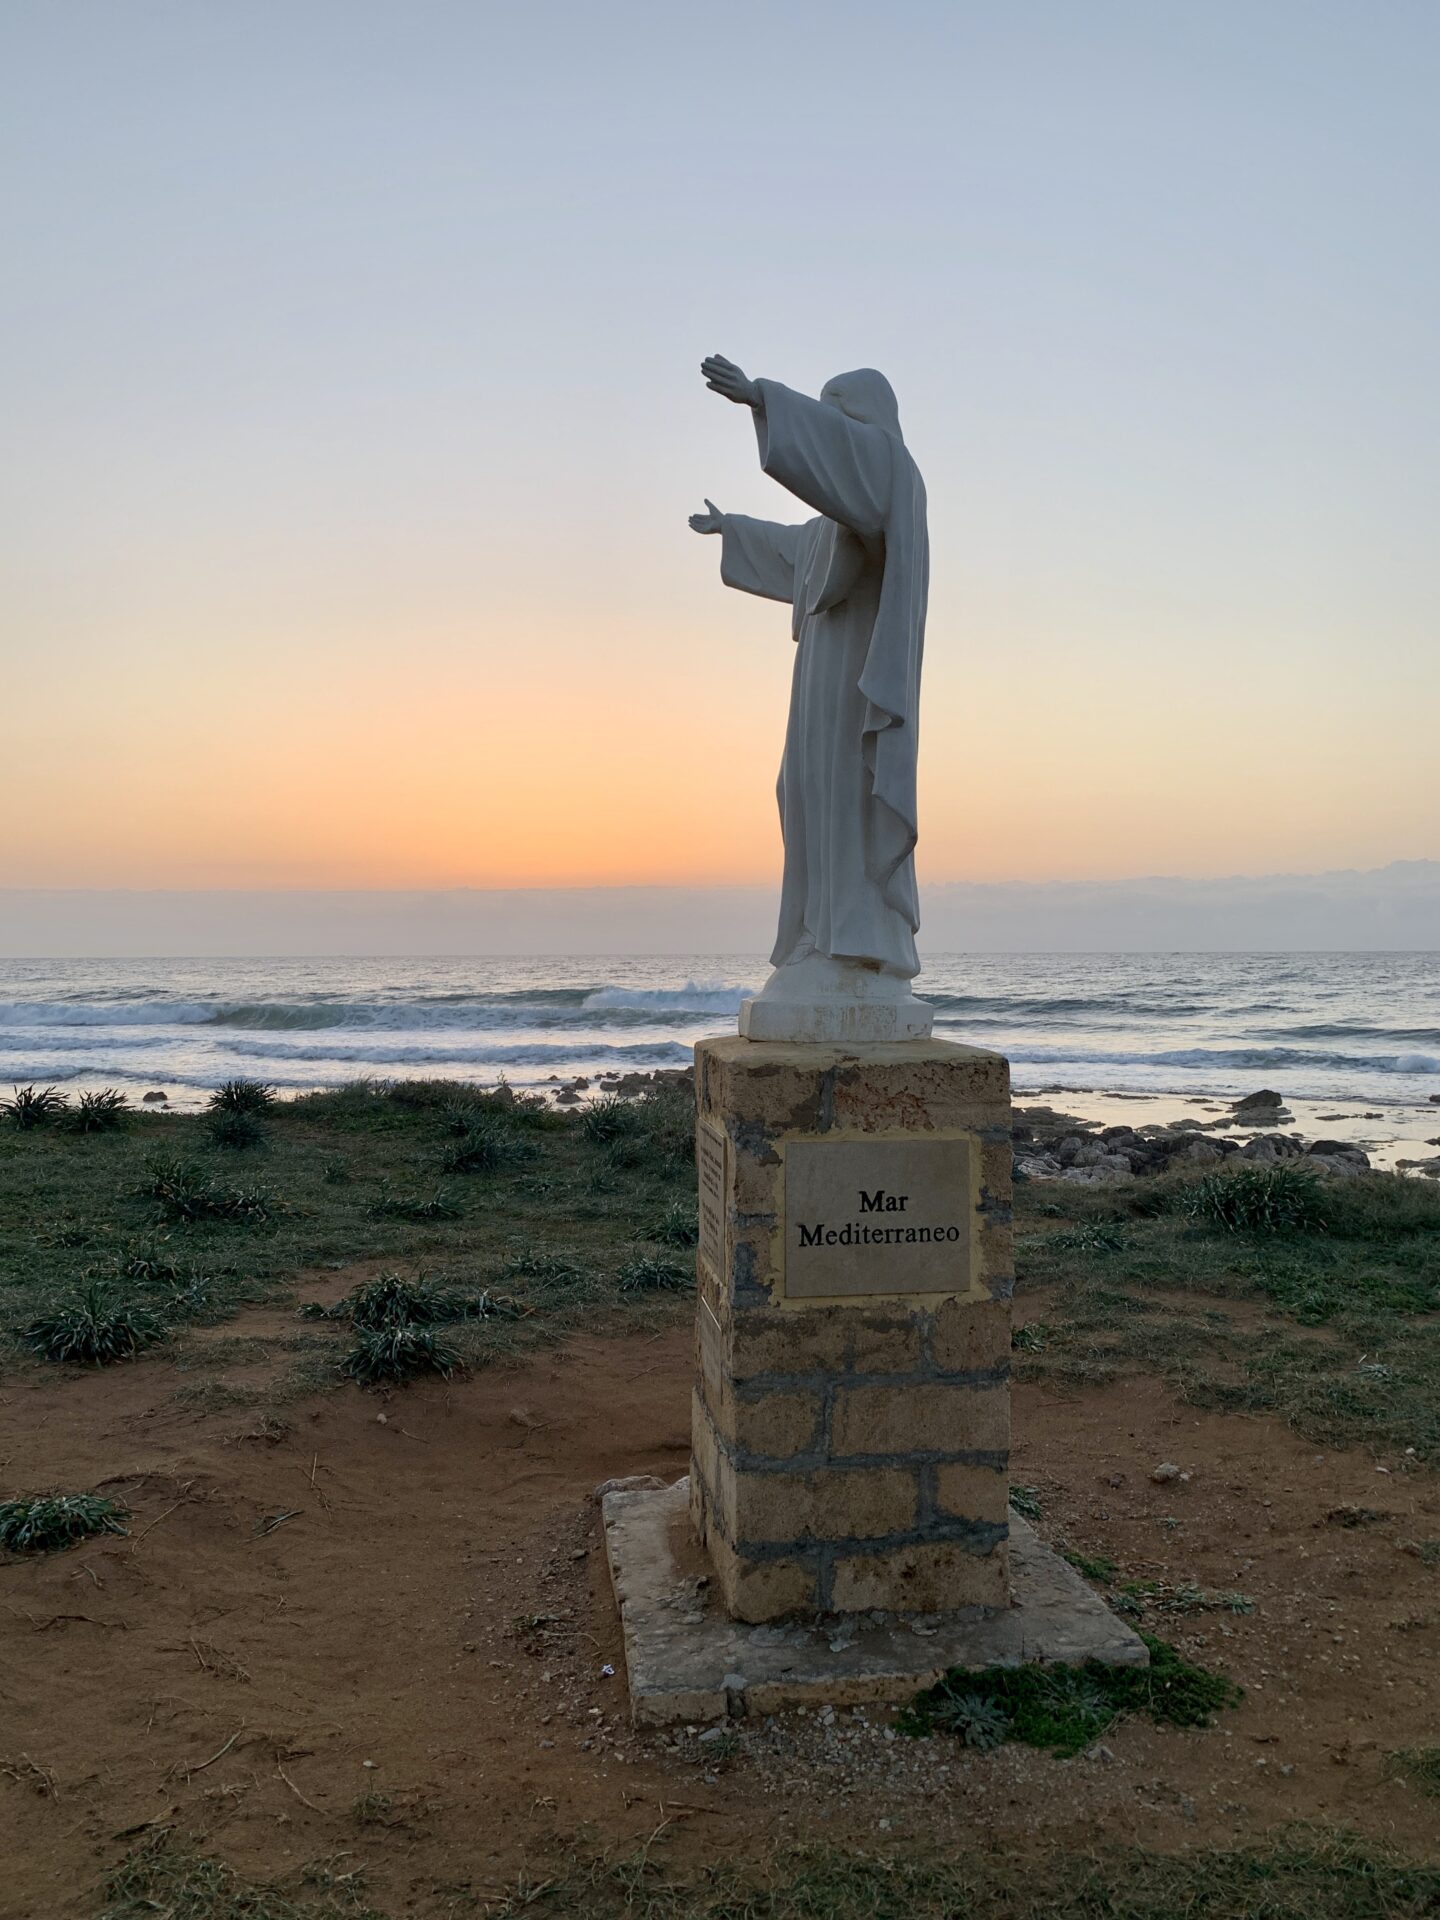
(415,1206)
(1305,1876)
(1260,1199)
(609,1119)
(1136,1597)
(489,1145)
(1427,1552)
(1094,1237)
(252,1097)
(389,1355)
(107,1111)
(50,1522)
(537,1232)
(394,1300)
(92,1327)
(1029,1337)
(677,1226)
(163,1879)
(32,1107)
(1026,1502)
(1162,1304)
(187,1194)
(1419,1765)
(1095,1566)
(236,1130)
(645,1274)
(1064,1709)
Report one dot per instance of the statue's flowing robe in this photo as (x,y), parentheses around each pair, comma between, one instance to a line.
(856,580)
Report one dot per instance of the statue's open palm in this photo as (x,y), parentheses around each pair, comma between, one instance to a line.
(722,376)
(711,522)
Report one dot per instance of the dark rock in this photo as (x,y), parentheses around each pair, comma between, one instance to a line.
(155,1098)
(1253,1102)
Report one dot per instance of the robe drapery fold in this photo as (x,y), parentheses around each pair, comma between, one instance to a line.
(856,579)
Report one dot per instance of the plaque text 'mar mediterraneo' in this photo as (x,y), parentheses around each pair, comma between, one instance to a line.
(879,1216)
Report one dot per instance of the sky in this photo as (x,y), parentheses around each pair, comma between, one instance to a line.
(352,419)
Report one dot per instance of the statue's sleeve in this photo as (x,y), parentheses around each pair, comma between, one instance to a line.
(836,465)
(758,556)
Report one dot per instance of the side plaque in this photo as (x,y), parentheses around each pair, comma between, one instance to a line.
(711,1146)
(878,1217)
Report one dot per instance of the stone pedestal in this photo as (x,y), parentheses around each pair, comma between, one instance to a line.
(852,1400)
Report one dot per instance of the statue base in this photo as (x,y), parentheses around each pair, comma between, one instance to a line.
(835,1002)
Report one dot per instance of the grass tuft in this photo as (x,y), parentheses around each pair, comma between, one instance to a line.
(237,1130)
(392,1300)
(50,1522)
(1064,1709)
(91,1327)
(488,1145)
(415,1206)
(185,1194)
(32,1107)
(678,1225)
(389,1355)
(643,1273)
(242,1096)
(1259,1199)
(1419,1765)
(107,1111)
(609,1119)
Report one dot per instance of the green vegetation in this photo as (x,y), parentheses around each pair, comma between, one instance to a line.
(1026,1502)
(251,1097)
(1148,1278)
(1064,1709)
(185,1192)
(1305,1876)
(50,1522)
(91,1327)
(388,1355)
(228,1128)
(31,1107)
(1419,1765)
(103,1112)
(1259,1199)
(110,1241)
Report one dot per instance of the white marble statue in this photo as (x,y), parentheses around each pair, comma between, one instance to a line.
(855,579)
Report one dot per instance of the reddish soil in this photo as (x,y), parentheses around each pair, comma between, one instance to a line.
(407,1598)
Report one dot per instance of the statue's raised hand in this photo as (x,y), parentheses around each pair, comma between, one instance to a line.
(710,522)
(724,377)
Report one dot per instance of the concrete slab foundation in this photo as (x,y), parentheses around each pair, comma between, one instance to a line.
(686,1659)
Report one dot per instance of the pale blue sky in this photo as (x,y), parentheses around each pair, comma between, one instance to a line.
(351,416)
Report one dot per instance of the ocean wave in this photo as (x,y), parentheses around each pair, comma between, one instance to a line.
(105,1013)
(1246,1058)
(659,1053)
(711,997)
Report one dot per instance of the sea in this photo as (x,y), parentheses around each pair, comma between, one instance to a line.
(1350,1027)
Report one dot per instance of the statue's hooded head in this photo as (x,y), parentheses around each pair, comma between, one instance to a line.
(866,396)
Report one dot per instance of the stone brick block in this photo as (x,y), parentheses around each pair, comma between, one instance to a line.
(776,1425)
(922,1579)
(768,1340)
(708,1465)
(761,1589)
(886,1341)
(971,1335)
(861,1504)
(972,1493)
(920,1419)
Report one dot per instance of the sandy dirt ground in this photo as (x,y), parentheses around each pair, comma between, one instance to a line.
(379,1632)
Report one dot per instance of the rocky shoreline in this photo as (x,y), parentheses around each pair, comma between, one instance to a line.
(1054,1145)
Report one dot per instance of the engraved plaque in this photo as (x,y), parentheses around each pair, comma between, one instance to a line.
(878,1216)
(710,1150)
